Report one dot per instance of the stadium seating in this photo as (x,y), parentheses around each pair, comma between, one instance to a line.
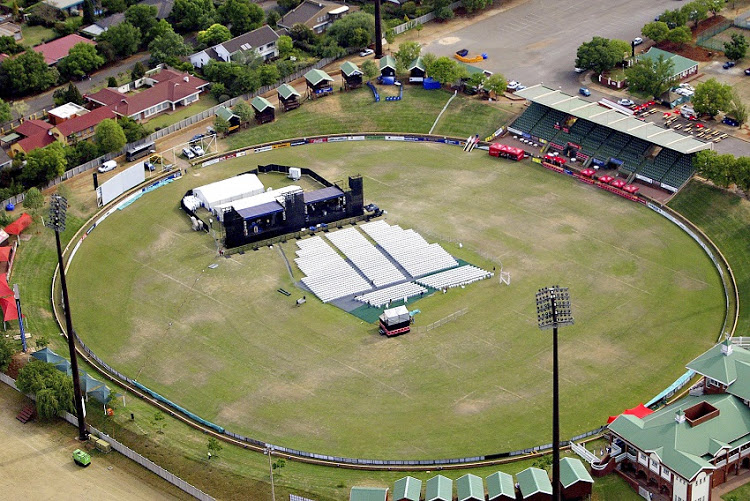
(545,128)
(398,292)
(328,276)
(370,261)
(529,117)
(463,275)
(680,172)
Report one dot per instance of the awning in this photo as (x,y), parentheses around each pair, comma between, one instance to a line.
(632,189)
(5,289)
(47,355)
(588,172)
(606,179)
(640,411)
(20,224)
(5,253)
(8,305)
(618,183)
(260,210)
(322,195)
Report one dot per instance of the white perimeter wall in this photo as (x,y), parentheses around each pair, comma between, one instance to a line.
(119,184)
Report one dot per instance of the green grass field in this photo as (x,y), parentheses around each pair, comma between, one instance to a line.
(224,344)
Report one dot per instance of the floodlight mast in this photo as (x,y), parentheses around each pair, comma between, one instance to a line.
(553,310)
(57,209)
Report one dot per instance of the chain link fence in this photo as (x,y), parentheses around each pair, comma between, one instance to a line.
(704,39)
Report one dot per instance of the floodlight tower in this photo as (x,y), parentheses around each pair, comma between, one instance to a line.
(57,209)
(553,310)
(378,32)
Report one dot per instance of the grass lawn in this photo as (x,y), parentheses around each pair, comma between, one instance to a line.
(166,119)
(224,344)
(34,35)
(738,494)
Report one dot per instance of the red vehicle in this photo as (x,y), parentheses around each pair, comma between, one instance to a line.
(395,321)
(505,151)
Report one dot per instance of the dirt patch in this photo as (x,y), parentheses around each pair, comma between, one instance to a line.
(689,51)
(708,23)
(689,283)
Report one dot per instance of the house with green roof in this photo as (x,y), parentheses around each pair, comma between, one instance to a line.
(288,97)
(439,488)
(685,449)
(470,488)
(368,494)
(232,119)
(407,489)
(387,66)
(534,485)
(351,75)
(318,83)
(264,111)
(500,487)
(683,67)
(575,480)
(417,71)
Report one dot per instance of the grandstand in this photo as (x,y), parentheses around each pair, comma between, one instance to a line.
(655,155)
(398,292)
(328,276)
(370,261)
(455,277)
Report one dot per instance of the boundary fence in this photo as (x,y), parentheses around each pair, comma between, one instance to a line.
(704,39)
(741,21)
(421,20)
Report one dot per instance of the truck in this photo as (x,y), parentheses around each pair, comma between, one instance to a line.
(395,321)
(81,458)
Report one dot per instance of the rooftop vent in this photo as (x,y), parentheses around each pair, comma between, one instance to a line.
(700,413)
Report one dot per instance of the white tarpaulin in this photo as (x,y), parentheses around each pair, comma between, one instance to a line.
(120,183)
(227,190)
(255,200)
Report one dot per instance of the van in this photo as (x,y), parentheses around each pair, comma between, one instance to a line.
(687,112)
(108,166)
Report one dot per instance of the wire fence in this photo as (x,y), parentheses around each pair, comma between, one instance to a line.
(705,38)
(421,20)
(445,320)
(741,21)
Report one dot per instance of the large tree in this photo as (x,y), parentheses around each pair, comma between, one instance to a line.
(680,35)
(5,114)
(652,76)
(167,47)
(496,83)
(69,94)
(9,46)
(26,73)
(243,15)
(124,38)
(268,74)
(695,11)
(736,48)
(109,136)
(711,97)
(656,31)
(132,129)
(244,111)
(81,60)
(472,5)
(214,34)
(285,45)
(407,52)
(192,15)
(601,54)
(354,30)
(143,17)
(445,70)
(44,164)
(674,18)
(53,389)
(713,6)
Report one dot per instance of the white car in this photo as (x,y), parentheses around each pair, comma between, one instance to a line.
(625,102)
(580,70)
(188,153)
(107,166)
(520,87)
(686,86)
(366,52)
(198,150)
(512,85)
(637,41)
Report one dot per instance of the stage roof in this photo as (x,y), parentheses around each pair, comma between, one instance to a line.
(260,210)
(323,194)
(593,112)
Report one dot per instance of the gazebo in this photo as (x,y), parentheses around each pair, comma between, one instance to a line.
(288,97)
(417,71)
(318,83)
(264,111)
(351,75)
(387,66)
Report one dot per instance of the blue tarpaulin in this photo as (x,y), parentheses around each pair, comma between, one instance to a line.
(682,381)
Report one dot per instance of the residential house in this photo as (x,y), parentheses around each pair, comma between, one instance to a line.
(11,30)
(316,15)
(68,6)
(65,112)
(81,127)
(682,66)
(264,111)
(35,133)
(169,89)
(104,24)
(261,42)
(57,49)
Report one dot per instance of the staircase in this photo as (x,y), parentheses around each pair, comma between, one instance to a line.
(27,414)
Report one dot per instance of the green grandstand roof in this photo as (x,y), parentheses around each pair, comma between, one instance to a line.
(439,488)
(407,488)
(681,64)
(225,113)
(417,63)
(368,494)
(317,76)
(261,103)
(470,488)
(577,107)
(719,366)
(387,62)
(532,481)
(500,484)
(572,470)
(349,69)
(286,90)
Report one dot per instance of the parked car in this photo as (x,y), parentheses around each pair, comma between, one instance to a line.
(579,70)
(747,71)
(731,121)
(625,102)
(210,131)
(728,64)
(366,52)
(686,86)
(584,91)
(149,166)
(198,150)
(512,85)
(107,166)
(188,153)
(462,52)
(197,138)
(637,41)
(520,87)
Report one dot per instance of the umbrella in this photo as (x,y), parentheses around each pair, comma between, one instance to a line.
(588,172)
(606,179)
(5,289)
(64,366)
(101,393)
(47,355)
(618,183)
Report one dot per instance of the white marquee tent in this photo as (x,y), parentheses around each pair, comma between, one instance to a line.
(255,200)
(227,190)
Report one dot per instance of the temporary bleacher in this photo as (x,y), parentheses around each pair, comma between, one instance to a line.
(409,249)
(328,276)
(370,261)
(398,292)
(463,275)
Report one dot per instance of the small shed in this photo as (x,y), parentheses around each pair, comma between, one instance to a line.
(534,485)
(500,487)
(439,488)
(387,66)
(575,480)
(351,75)
(407,489)
(470,488)
(288,97)
(264,111)
(231,118)
(368,494)
(417,71)
(318,83)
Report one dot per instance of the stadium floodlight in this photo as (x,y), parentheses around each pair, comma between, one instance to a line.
(553,310)
(57,210)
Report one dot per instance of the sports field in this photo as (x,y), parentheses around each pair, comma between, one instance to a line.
(223,343)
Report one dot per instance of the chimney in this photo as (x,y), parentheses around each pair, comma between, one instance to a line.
(679,416)
(727,347)
(186,78)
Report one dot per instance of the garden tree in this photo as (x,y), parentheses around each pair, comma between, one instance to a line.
(25,74)
(158,421)
(674,18)
(41,340)
(244,111)
(213,446)
(736,48)
(442,9)
(5,114)
(301,33)
(445,70)
(243,15)
(713,6)
(221,126)
(407,52)
(9,46)
(737,108)
(69,94)
(272,18)
(167,48)
(476,80)
(109,136)
(680,35)
(81,60)
(543,462)
(285,45)
(6,353)
(287,5)
(44,164)
(192,15)
(390,36)
(278,465)
(496,83)
(33,200)
(124,38)
(652,76)
(138,71)
(601,54)
(114,6)
(742,173)
(70,25)
(80,153)
(369,69)
(656,31)
(143,17)
(718,168)
(14,7)
(214,34)
(268,74)
(695,11)
(88,12)
(19,109)
(160,28)
(472,5)
(327,47)
(218,90)
(111,82)
(711,97)
(132,129)
(354,30)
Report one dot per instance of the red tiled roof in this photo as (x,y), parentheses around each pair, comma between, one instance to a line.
(33,127)
(83,122)
(3,57)
(58,49)
(34,142)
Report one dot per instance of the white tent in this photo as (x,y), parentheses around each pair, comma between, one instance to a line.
(255,200)
(227,190)
(395,315)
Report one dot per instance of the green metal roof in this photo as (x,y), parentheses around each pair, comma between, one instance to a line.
(261,103)
(407,488)
(741,387)
(681,64)
(439,488)
(718,366)
(286,90)
(683,448)
(500,484)
(387,62)
(417,63)
(572,470)
(317,76)
(470,488)
(533,480)
(368,494)
(10,137)
(577,107)
(225,113)
(471,69)
(349,69)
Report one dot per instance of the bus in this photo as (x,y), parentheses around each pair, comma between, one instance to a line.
(136,152)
